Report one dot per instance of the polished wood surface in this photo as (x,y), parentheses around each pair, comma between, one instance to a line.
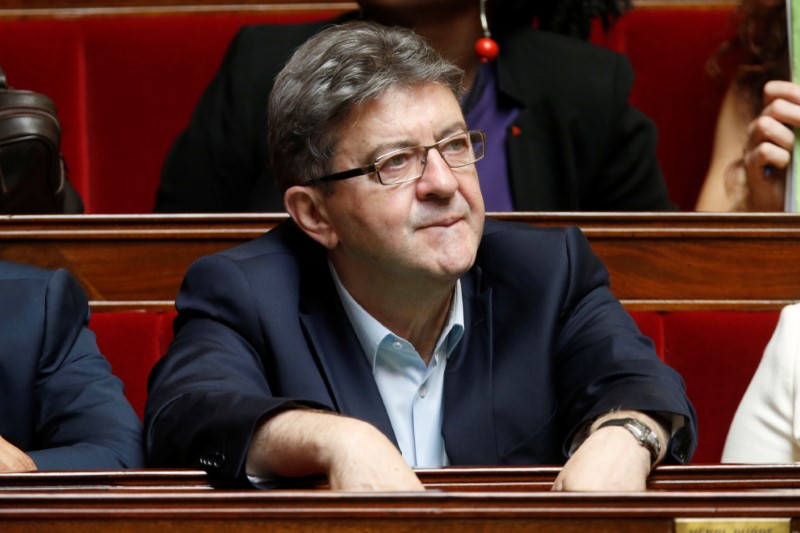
(706,477)
(330,511)
(90,7)
(182,501)
(656,261)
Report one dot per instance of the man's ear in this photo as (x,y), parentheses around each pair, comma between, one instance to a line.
(308,208)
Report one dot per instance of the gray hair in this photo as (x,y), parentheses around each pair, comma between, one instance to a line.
(335,71)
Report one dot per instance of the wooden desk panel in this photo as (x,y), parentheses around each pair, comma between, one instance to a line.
(438,511)
(656,261)
(495,499)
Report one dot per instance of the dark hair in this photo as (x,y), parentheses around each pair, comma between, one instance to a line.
(569,17)
(759,51)
(335,71)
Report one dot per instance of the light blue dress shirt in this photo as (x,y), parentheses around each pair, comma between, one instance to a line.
(412,392)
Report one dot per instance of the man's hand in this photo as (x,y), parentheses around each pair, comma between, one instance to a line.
(354,455)
(12,459)
(610,459)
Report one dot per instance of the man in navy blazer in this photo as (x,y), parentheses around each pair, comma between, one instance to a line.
(60,406)
(386,326)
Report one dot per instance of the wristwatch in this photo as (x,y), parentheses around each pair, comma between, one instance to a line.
(641,431)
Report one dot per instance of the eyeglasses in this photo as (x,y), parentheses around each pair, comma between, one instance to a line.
(408,164)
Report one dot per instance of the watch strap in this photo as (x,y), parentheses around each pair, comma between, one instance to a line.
(641,431)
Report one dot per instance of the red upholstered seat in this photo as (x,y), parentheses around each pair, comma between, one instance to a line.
(144,78)
(125,86)
(717,354)
(45,55)
(132,342)
(669,49)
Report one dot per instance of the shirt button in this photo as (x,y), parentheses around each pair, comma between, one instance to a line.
(423,391)
(397,345)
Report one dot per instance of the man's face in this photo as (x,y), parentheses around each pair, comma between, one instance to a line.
(425,229)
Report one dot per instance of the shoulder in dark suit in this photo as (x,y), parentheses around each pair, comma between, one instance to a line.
(580,145)
(59,402)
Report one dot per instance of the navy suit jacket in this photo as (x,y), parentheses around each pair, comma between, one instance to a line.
(546,348)
(59,402)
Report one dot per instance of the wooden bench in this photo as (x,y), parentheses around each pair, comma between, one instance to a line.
(487,499)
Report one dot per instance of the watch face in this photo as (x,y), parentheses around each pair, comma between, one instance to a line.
(638,429)
(647,437)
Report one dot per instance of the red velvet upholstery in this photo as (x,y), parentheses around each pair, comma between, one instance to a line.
(669,49)
(160,67)
(44,55)
(132,342)
(717,354)
(125,86)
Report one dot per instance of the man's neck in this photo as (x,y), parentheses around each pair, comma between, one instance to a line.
(416,312)
(420,323)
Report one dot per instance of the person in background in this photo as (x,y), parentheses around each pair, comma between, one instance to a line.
(755,128)
(562,135)
(388,325)
(766,426)
(60,406)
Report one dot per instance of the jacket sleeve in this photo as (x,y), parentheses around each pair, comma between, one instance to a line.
(605,363)
(84,421)
(209,392)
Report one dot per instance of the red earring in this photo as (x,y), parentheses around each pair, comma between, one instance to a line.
(486,47)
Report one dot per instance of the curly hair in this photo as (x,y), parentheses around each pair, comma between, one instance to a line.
(759,49)
(569,17)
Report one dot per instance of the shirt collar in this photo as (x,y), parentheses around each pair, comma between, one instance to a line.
(370,332)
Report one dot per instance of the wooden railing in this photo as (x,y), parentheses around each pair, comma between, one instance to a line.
(77,8)
(656,261)
(720,477)
(73,8)
(496,499)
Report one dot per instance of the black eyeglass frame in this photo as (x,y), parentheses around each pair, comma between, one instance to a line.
(373,168)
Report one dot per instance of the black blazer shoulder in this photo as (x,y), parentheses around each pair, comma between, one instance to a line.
(579,144)
(560,68)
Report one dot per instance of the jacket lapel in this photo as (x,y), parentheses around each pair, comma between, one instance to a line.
(531,142)
(344,368)
(468,425)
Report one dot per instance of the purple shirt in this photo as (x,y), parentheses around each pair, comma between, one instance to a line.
(483,112)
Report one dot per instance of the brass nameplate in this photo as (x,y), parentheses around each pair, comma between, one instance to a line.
(733,525)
